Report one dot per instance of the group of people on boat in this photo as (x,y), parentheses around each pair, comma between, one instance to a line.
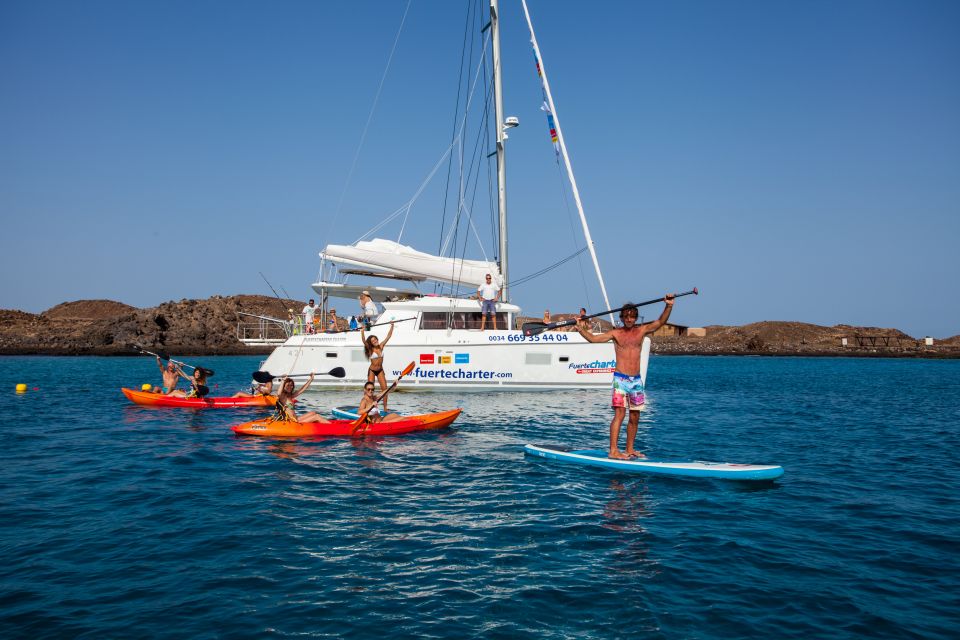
(308,320)
(628,390)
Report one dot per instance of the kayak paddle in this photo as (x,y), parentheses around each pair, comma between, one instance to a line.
(363,416)
(534,328)
(163,355)
(265,376)
(379,324)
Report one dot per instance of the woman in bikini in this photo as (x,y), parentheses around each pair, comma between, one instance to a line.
(287,400)
(198,384)
(373,349)
(368,404)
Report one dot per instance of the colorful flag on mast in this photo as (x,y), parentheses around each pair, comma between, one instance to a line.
(546,107)
(553,128)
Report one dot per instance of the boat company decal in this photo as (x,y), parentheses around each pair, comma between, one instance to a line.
(597,366)
(549,336)
(455,374)
(426,358)
(461,358)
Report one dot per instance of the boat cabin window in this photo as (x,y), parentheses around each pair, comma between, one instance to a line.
(460,320)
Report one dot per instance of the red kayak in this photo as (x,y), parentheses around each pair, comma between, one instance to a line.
(408,424)
(150,399)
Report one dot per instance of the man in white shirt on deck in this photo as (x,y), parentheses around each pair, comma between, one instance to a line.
(308,312)
(489,294)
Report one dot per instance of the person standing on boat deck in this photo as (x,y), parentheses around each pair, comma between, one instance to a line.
(373,349)
(308,313)
(369,308)
(287,400)
(627,385)
(170,377)
(489,294)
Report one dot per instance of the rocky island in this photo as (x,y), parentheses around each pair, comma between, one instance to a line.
(209,327)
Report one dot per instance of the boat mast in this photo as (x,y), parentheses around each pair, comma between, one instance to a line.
(501,159)
(566,157)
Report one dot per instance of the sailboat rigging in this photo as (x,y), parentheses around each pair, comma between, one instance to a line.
(443,334)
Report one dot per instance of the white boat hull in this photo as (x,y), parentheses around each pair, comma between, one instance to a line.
(456,360)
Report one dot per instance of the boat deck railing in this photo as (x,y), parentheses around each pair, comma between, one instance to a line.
(264,330)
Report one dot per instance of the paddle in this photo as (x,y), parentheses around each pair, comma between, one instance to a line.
(534,328)
(164,356)
(379,324)
(363,416)
(265,376)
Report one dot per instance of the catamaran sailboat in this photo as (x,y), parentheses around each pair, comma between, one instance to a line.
(440,332)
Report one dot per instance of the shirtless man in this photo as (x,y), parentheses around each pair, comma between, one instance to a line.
(627,386)
(170,377)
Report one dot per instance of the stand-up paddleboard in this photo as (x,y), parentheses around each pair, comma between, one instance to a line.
(598,458)
(347,412)
(644,360)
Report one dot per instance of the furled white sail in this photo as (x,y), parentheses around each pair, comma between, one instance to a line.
(391,257)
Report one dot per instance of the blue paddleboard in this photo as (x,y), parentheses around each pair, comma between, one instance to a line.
(701,469)
(346,413)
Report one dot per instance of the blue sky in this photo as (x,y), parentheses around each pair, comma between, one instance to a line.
(794,160)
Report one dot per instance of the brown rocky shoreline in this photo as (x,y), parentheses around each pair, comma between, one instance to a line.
(209,327)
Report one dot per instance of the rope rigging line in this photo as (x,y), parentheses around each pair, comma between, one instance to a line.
(456,116)
(366,126)
(537,274)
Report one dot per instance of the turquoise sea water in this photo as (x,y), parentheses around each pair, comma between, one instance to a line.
(120,521)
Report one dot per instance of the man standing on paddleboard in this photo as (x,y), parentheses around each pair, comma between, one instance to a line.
(627,384)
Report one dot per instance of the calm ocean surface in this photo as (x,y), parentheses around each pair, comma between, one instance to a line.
(125,522)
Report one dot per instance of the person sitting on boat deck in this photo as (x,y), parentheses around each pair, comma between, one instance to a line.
(170,377)
(582,321)
(256,390)
(489,294)
(546,317)
(627,385)
(369,402)
(198,384)
(308,313)
(332,321)
(287,400)
(373,349)
(353,323)
(369,308)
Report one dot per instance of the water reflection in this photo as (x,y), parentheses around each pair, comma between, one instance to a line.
(624,514)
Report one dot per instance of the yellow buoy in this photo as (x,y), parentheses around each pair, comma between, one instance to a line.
(21,388)
(146,387)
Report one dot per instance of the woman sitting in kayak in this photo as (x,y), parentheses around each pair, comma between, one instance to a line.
(258,390)
(368,404)
(287,400)
(373,349)
(198,384)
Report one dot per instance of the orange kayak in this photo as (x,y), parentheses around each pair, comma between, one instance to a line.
(150,399)
(284,428)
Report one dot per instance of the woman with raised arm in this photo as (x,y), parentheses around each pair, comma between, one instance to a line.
(373,349)
(287,400)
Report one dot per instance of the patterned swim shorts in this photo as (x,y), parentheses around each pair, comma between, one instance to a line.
(627,391)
